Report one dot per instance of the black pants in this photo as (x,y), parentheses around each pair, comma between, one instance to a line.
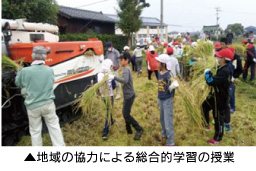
(129,120)
(150,73)
(133,64)
(247,65)
(220,116)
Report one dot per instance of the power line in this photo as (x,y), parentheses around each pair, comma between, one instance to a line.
(92,3)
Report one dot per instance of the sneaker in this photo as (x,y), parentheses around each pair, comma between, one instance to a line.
(163,140)
(105,136)
(207,128)
(227,128)
(213,142)
(138,134)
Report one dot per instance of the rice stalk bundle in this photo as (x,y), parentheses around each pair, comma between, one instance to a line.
(90,100)
(8,63)
(196,90)
(240,49)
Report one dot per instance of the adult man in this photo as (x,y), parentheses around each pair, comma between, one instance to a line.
(114,56)
(37,81)
(230,36)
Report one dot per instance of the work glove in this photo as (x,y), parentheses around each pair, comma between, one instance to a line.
(111,77)
(148,67)
(254,60)
(208,75)
(173,85)
(206,71)
(232,79)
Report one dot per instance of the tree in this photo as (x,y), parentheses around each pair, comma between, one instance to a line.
(129,15)
(33,10)
(236,28)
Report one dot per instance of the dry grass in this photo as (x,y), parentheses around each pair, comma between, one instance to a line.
(87,131)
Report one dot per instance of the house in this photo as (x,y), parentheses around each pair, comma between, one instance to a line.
(150,28)
(73,20)
(211,29)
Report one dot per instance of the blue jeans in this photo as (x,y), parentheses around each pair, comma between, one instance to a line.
(107,122)
(232,90)
(166,119)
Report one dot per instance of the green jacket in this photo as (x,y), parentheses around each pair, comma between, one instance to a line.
(38,81)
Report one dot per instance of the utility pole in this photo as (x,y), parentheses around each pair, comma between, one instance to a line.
(162,6)
(217,15)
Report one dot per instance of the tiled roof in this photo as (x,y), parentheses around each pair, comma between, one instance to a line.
(85,14)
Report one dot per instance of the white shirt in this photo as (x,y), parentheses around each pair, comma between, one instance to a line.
(106,89)
(174,66)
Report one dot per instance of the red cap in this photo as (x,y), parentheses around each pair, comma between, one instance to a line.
(217,45)
(225,53)
(244,41)
(165,44)
(169,50)
(232,50)
(159,43)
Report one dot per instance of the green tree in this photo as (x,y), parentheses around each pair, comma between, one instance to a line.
(129,15)
(236,28)
(33,10)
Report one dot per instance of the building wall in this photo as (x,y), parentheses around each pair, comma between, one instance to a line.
(81,26)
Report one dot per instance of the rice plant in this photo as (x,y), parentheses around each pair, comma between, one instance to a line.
(7,63)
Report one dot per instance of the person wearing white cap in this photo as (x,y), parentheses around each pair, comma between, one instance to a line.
(138,58)
(38,81)
(165,99)
(107,90)
(151,61)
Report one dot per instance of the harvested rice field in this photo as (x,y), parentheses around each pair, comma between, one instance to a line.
(87,130)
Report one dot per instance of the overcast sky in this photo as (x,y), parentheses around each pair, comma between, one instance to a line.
(190,15)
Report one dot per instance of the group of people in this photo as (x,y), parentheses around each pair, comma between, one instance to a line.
(165,66)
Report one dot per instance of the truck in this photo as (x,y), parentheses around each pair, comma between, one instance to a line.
(74,72)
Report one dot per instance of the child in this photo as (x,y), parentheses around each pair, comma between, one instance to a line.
(250,60)
(220,83)
(107,90)
(129,96)
(138,58)
(151,60)
(165,100)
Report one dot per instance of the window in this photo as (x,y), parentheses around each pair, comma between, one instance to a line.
(34,37)
(97,29)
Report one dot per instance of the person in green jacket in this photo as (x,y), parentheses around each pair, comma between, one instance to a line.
(37,81)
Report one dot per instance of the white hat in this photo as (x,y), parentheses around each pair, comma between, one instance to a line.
(164,58)
(170,44)
(151,48)
(194,44)
(106,64)
(138,44)
(126,48)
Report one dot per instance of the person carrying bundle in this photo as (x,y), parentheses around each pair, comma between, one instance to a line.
(107,90)
(218,98)
(129,97)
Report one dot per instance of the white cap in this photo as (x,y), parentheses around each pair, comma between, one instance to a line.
(138,44)
(151,48)
(106,64)
(126,48)
(164,58)
(170,44)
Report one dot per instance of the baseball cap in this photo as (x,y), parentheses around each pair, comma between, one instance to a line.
(108,45)
(244,41)
(169,50)
(151,48)
(39,50)
(126,48)
(232,49)
(225,53)
(165,44)
(217,45)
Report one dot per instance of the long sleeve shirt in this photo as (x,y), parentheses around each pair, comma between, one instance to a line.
(38,81)
(127,82)
(114,56)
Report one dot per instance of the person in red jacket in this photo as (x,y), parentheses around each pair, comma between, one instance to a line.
(151,61)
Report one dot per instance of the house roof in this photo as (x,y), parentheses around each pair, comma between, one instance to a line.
(211,28)
(84,14)
(146,21)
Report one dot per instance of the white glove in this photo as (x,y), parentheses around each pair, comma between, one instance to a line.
(206,70)
(111,77)
(173,85)
(254,60)
(148,67)
(232,79)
